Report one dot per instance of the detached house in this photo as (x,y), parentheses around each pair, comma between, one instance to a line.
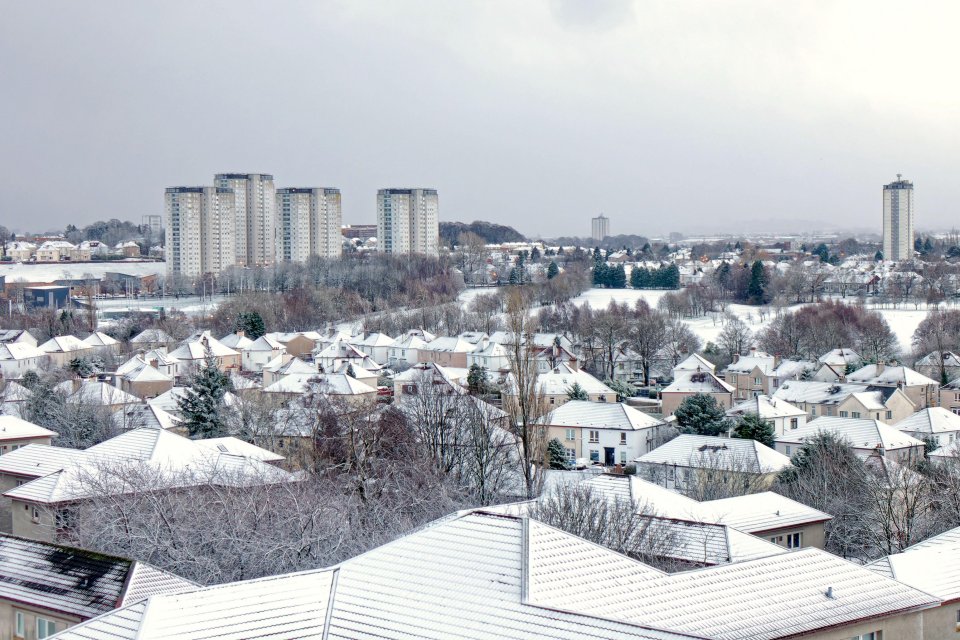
(936,424)
(751,375)
(602,433)
(16,358)
(921,390)
(46,588)
(687,383)
(61,350)
(260,352)
(780,413)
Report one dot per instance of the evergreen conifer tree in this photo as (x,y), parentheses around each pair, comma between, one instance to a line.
(202,405)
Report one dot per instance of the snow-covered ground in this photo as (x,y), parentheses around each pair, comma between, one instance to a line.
(903,322)
(48,272)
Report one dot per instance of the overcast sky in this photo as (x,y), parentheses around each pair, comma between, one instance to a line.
(671,115)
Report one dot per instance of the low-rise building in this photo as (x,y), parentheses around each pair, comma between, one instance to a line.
(780,413)
(751,375)
(936,425)
(16,358)
(921,390)
(602,433)
(866,438)
(687,383)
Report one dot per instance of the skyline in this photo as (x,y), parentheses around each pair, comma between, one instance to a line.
(710,117)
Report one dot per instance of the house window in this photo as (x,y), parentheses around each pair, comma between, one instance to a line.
(873,635)
(813,411)
(855,414)
(787,449)
(36,514)
(45,627)
(794,540)
(623,457)
(757,381)
(571,435)
(594,436)
(794,423)
(623,438)
(777,540)
(889,415)
(594,455)
(571,456)
(843,414)
(21,626)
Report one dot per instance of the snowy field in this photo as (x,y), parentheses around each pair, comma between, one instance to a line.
(48,272)
(903,322)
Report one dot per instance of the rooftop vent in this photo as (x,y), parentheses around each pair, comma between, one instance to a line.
(829,592)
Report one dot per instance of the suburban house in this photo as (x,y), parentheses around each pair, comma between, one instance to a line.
(447,351)
(46,588)
(150,339)
(40,506)
(16,358)
(825,399)
(780,413)
(554,385)
(330,357)
(602,432)
(102,344)
(936,424)
(16,433)
(237,341)
(96,393)
(687,383)
(695,362)
(146,415)
(193,353)
(688,463)
(492,357)
(274,372)
(62,349)
(766,515)
(140,378)
(932,566)
(841,359)
(921,390)
(510,576)
(409,382)
(260,352)
(865,437)
(552,356)
(933,364)
(297,343)
(950,396)
(12,398)
(377,346)
(17,336)
(751,375)
(336,385)
(406,350)
(169,401)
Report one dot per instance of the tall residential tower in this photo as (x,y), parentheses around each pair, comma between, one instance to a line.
(599,227)
(408,221)
(255,222)
(308,223)
(200,230)
(898,220)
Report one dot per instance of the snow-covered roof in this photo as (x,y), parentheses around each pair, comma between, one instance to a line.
(144,415)
(294,365)
(14,392)
(218,460)
(100,339)
(236,341)
(789,369)
(702,381)
(76,582)
(331,383)
(859,433)
(263,343)
(197,349)
(932,420)
(151,336)
(168,400)
(755,513)
(94,392)
(887,376)
(13,428)
(815,392)
(840,357)
(766,407)
(932,566)
(450,344)
(35,460)
(600,415)
(561,378)
(732,454)
(693,362)
(20,351)
(932,359)
(757,359)
(377,340)
(64,344)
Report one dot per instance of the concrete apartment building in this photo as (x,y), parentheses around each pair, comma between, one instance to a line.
(898,220)
(308,223)
(255,222)
(200,230)
(408,221)
(599,227)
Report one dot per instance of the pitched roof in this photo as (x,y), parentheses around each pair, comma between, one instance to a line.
(764,361)
(887,375)
(815,392)
(695,361)
(144,415)
(931,420)
(196,348)
(558,381)
(64,344)
(74,581)
(766,407)
(20,351)
(236,341)
(13,428)
(463,577)
(96,392)
(151,336)
(695,381)
(600,415)
(36,460)
(840,357)
(932,566)
(100,339)
(859,433)
(733,454)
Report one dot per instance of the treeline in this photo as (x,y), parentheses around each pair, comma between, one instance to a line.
(491,232)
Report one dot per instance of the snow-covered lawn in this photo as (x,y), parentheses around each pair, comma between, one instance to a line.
(48,272)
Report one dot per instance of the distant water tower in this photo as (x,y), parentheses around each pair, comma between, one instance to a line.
(600,228)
